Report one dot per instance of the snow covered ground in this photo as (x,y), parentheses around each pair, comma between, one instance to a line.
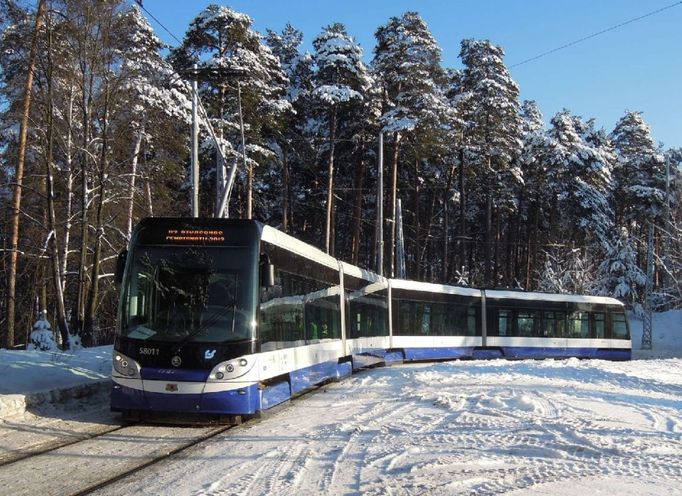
(522,427)
(527,427)
(28,378)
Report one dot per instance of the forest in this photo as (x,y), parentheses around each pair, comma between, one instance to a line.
(96,132)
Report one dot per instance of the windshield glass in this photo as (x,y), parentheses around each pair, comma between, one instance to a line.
(189,294)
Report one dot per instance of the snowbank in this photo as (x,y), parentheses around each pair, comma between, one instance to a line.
(666,336)
(28,378)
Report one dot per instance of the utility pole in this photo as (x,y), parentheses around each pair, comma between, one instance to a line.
(223,184)
(195,146)
(380,209)
(400,249)
(249,202)
(647,325)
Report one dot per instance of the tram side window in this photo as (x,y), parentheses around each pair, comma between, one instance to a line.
(368,317)
(503,323)
(471,321)
(579,325)
(620,327)
(414,318)
(526,322)
(302,305)
(598,325)
(553,324)
(425,324)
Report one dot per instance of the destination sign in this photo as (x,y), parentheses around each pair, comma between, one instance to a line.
(195,236)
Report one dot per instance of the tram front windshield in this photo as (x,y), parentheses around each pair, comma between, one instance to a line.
(189,294)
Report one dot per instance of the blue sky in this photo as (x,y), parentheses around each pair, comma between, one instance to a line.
(636,67)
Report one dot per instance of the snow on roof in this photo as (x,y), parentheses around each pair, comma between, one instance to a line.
(278,238)
(521,295)
(434,288)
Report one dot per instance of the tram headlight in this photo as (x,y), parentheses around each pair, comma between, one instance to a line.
(126,366)
(233,369)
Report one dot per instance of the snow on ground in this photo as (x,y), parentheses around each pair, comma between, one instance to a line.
(666,336)
(538,427)
(489,427)
(30,377)
(34,371)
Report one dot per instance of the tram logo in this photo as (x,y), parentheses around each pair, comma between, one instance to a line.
(176,361)
(173,388)
(209,354)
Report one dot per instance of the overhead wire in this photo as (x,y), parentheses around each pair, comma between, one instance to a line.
(598,33)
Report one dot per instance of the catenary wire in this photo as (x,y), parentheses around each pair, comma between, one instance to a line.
(598,33)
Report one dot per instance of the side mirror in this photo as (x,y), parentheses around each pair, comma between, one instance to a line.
(120,266)
(267,272)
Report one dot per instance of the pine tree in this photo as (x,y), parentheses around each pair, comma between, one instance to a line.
(580,174)
(640,177)
(340,83)
(536,200)
(294,144)
(221,39)
(415,109)
(493,137)
(619,275)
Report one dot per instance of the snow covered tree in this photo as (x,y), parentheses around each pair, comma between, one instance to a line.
(221,40)
(493,139)
(619,275)
(535,196)
(639,173)
(580,174)
(152,92)
(340,83)
(415,109)
(295,147)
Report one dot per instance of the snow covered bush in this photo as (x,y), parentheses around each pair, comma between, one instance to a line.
(42,337)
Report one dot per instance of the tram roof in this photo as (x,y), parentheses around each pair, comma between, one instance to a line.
(554,297)
(434,288)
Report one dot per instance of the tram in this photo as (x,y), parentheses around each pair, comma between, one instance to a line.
(224,318)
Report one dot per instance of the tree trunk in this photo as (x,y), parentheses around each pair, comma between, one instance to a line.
(394,200)
(462,212)
(330,181)
(446,224)
(488,228)
(51,216)
(357,207)
(286,189)
(82,268)
(19,178)
(133,177)
(150,204)
(69,188)
(93,294)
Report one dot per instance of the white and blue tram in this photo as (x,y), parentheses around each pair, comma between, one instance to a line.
(226,318)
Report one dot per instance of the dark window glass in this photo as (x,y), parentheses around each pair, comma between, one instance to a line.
(471,321)
(420,313)
(620,327)
(503,322)
(553,324)
(368,314)
(579,325)
(525,323)
(598,325)
(302,306)
(189,294)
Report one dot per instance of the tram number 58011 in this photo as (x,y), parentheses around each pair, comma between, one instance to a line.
(149,351)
